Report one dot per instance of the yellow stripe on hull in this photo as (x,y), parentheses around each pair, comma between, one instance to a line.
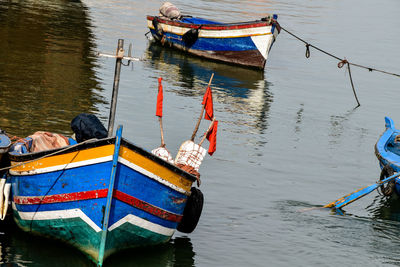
(57,160)
(155,168)
(102,154)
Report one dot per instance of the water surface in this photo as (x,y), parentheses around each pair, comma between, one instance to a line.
(289,137)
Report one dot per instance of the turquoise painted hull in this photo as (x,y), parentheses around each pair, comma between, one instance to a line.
(77,233)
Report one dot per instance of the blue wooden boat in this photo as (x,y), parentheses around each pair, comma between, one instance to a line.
(387,150)
(103,193)
(99,196)
(243,43)
(5,144)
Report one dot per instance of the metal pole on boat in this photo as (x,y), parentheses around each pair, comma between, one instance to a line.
(107,210)
(119,56)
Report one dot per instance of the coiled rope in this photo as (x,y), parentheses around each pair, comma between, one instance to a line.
(342,61)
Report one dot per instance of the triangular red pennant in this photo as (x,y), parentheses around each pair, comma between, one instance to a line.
(208,104)
(159,99)
(212,138)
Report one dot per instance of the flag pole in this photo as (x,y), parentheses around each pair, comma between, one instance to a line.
(119,56)
(201,114)
(162,132)
(208,130)
(160,115)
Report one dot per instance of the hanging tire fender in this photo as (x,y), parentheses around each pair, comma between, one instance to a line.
(192,211)
(387,189)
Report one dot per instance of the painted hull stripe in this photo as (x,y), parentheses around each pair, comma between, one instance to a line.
(57,215)
(151,175)
(62,167)
(95,194)
(233,33)
(77,213)
(100,160)
(60,198)
(132,219)
(220,27)
(137,203)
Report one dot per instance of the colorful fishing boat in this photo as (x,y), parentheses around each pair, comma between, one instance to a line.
(387,150)
(65,194)
(101,194)
(243,43)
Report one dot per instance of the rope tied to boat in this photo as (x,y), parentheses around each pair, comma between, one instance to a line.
(13,138)
(341,63)
(191,170)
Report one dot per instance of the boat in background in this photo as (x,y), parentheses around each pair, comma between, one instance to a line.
(5,144)
(387,150)
(243,43)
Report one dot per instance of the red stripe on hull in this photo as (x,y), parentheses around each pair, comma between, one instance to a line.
(95,194)
(137,203)
(49,199)
(232,26)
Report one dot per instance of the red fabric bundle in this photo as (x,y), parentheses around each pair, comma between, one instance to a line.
(159,99)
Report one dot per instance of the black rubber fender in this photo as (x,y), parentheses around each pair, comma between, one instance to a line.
(387,189)
(192,211)
(190,37)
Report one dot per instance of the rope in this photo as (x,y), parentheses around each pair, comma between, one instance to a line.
(341,63)
(191,170)
(13,138)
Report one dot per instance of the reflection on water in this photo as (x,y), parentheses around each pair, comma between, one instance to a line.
(47,65)
(20,249)
(385,208)
(243,91)
(385,211)
(177,253)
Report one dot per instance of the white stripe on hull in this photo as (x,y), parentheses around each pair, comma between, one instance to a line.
(234,33)
(137,221)
(100,160)
(77,213)
(263,43)
(62,167)
(56,215)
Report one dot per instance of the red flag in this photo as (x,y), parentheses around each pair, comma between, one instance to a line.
(208,104)
(212,138)
(159,98)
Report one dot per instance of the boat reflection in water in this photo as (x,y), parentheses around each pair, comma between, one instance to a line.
(47,65)
(19,249)
(385,208)
(178,252)
(244,92)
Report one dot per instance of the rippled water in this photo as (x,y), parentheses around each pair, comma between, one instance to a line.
(289,138)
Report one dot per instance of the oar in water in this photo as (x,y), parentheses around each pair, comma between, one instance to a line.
(347,199)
